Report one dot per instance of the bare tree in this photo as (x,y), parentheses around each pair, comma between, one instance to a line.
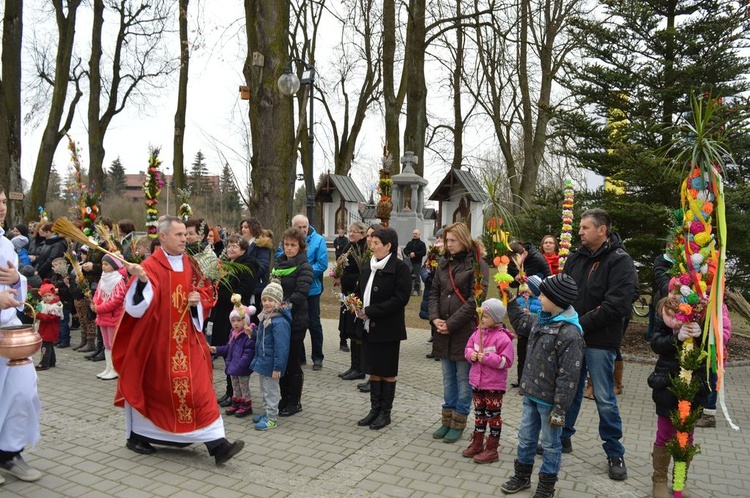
(58,78)
(273,159)
(359,62)
(10,107)
(519,56)
(178,161)
(139,59)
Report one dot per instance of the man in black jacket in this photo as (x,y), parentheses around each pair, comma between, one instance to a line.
(606,279)
(340,244)
(416,250)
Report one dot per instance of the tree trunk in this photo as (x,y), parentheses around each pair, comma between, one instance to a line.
(10,108)
(96,132)
(178,162)
(458,119)
(273,158)
(416,88)
(736,302)
(393,97)
(53,133)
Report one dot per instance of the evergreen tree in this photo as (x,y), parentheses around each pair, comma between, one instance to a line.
(641,62)
(198,174)
(114,182)
(54,186)
(230,199)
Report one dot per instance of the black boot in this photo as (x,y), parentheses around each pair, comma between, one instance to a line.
(226,400)
(387,393)
(364,387)
(356,370)
(99,350)
(546,486)
(375,389)
(294,404)
(521,479)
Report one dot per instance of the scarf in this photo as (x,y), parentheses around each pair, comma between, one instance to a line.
(107,284)
(375,265)
(236,333)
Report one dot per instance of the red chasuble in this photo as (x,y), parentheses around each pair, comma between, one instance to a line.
(163,362)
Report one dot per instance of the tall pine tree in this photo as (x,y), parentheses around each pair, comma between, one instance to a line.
(114,183)
(230,198)
(198,174)
(54,187)
(641,61)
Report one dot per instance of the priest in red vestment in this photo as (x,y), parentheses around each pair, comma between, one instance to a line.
(162,357)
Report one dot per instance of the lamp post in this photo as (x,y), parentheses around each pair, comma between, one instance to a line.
(289,84)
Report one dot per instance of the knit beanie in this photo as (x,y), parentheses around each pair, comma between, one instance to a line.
(23,230)
(244,312)
(47,288)
(273,291)
(533,282)
(19,242)
(113,262)
(495,309)
(561,289)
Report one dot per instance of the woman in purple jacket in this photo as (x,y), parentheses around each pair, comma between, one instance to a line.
(237,354)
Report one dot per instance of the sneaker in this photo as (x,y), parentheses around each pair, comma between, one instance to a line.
(257,418)
(617,470)
(265,424)
(706,421)
(19,468)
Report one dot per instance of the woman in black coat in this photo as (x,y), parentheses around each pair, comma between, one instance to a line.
(241,280)
(349,326)
(385,288)
(295,275)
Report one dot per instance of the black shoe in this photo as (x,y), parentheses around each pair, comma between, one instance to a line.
(40,368)
(224,398)
(139,446)
(344,347)
(354,375)
(227,451)
(226,402)
(345,373)
(98,356)
(429,356)
(514,385)
(318,365)
(567,447)
(365,388)
(617,470)
(290,409)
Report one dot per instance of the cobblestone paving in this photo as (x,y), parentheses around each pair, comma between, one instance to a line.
(321,451)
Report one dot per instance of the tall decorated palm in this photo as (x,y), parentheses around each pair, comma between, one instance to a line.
(700,253)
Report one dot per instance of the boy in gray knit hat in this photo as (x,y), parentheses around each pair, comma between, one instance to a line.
(549,381)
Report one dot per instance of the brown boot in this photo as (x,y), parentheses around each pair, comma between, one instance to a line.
(619,368)
(706,420)
(489,454)
(589,392)
(82,343)
(89,346)
(661,459)
(476,446)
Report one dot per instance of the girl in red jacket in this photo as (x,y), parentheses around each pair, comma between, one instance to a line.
(49,315)
(108,304)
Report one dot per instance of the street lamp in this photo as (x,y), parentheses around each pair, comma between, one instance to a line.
(289,85)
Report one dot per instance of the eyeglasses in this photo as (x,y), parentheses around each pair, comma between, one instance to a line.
(233,246)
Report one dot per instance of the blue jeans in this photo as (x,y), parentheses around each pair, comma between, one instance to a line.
(713,377)
(316,329)
(64,338)
(456,387)
(535,418)
(600,364)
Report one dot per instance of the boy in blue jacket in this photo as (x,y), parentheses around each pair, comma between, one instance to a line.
(271,352)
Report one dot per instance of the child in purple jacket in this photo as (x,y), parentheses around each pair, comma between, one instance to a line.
(490,352)
(238,353)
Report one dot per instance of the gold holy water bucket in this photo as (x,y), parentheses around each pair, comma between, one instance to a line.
(18,342)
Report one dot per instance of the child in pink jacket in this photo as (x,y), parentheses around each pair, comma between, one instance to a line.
(490,352)
(108,304)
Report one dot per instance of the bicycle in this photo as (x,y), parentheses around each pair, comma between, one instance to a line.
(641,306)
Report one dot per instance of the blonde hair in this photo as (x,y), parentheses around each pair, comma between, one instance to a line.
(462,234)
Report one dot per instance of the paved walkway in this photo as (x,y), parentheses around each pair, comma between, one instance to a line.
(321,451)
